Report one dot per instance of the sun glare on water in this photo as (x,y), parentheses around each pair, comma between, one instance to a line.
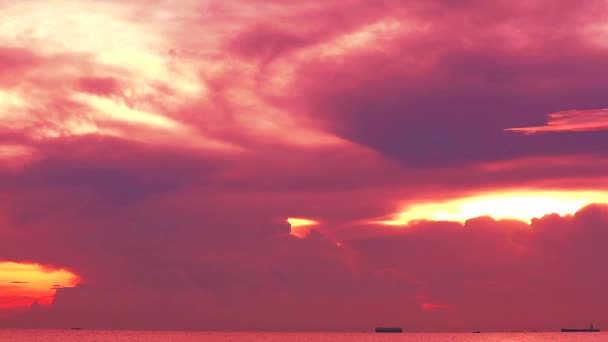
(507,205)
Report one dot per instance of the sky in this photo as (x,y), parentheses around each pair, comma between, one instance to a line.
(323,165)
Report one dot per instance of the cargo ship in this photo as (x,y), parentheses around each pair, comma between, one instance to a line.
(389,330)
(590,329)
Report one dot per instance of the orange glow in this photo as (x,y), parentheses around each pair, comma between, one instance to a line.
(300,227)
(520,205)
(23,284)
(11,151)
(14,157)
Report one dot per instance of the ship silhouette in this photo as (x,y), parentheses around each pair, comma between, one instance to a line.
(389,330)
(590,329)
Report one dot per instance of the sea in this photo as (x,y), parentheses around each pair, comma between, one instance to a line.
(158,336)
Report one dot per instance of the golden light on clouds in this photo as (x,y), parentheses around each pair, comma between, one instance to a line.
(120,112)
(164,91)
(375,34)
(66,26)
(23,284)
(300,227)
(8,100)
(133,53)
(520,205)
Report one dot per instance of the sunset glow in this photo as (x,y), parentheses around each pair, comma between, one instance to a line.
(300,227)
(508,205)
(23,284)
(439,163)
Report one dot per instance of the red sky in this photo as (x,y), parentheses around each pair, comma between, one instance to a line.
(318,165)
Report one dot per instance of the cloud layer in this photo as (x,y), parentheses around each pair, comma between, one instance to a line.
(157,150)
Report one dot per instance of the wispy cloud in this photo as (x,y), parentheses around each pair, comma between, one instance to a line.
(570,121)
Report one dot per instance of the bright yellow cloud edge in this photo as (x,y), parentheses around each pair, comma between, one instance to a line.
(519,205)
(22,284)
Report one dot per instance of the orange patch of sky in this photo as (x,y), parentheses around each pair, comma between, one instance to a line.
(521,205)
(23,284)
(300,227)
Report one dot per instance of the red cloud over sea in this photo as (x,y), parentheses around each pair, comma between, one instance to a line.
(157,151)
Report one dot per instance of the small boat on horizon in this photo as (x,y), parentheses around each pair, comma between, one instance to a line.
(590,329)
(389,330)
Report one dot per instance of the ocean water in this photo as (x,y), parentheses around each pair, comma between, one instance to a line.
(157,336)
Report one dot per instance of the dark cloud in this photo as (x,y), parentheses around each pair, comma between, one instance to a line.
(460,84)
(429,275)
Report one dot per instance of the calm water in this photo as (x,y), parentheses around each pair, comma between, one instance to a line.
(131,336)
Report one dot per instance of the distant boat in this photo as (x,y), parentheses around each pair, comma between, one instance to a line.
(476,332)
(590,329)
(389,330)
(76,328)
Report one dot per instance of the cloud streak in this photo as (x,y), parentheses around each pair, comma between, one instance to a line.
(570,121)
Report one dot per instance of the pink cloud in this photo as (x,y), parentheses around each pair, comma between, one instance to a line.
(99,86)
(157,151)
(570,121)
